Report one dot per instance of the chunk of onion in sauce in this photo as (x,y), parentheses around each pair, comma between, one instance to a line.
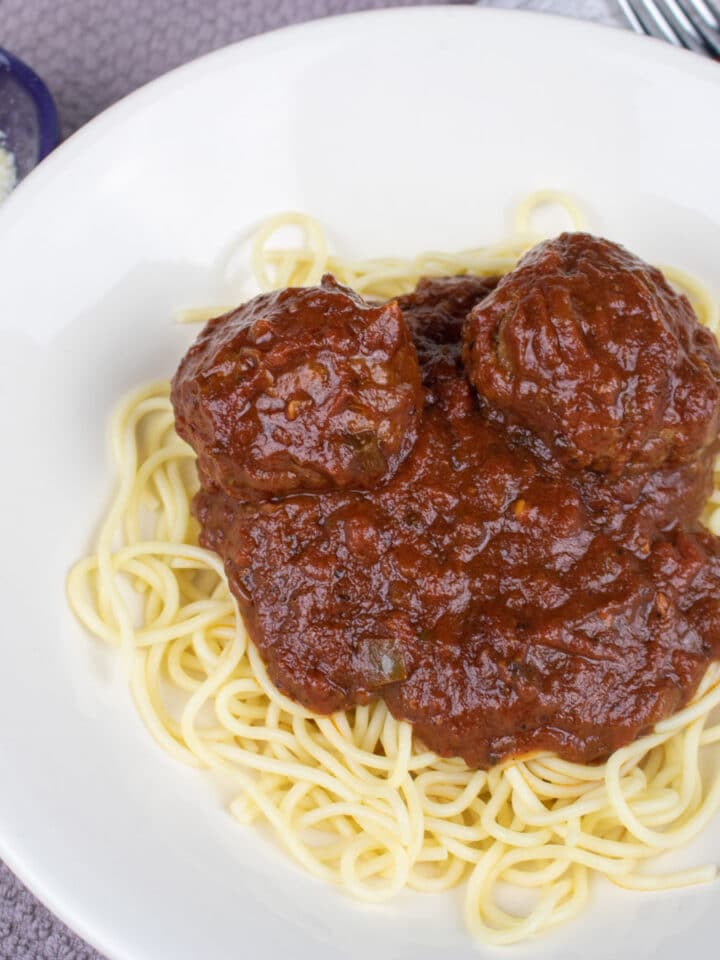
(385,661)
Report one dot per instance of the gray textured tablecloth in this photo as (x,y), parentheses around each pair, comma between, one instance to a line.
(90,53)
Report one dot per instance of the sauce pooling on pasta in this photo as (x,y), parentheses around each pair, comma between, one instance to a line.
(479,502)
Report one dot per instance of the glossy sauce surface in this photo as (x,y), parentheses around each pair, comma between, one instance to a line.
(301,389)
(498,596)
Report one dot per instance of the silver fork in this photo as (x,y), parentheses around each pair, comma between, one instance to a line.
(693,24)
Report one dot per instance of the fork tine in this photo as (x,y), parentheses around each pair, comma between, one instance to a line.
(701,18)
(710,36)
(709,10)
(632,18)
(684,24)
(653,21)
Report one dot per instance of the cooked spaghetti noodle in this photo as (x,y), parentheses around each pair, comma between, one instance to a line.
(354,797)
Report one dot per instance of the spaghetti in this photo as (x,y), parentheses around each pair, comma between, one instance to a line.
(354,797)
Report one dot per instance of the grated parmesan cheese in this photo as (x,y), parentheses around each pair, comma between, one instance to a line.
(7,171)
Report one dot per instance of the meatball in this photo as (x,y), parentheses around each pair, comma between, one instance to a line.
(436,309)
(590,349)
(435,313)
(308,388)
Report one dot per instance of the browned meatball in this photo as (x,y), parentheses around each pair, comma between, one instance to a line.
(309,388)
(436,309)
(591,349)
(499,601)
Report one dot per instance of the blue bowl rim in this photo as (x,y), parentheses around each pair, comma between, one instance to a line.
(47,115)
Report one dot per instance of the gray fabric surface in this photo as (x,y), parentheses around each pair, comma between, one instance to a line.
(90,53)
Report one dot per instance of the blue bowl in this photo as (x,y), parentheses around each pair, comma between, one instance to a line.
(28,117)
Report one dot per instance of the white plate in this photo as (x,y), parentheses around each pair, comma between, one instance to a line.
(400,130)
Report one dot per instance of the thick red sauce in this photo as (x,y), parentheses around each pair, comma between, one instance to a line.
(509,574)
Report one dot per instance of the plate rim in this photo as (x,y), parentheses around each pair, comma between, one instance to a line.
(655,49)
